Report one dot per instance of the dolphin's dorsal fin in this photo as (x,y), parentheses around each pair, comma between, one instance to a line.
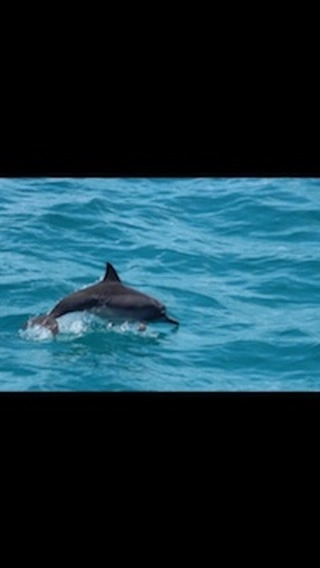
(111,274)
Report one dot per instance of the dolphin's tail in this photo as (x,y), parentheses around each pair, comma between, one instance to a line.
(46,321)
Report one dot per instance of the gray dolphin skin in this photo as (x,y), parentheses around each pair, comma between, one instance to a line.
(108,299)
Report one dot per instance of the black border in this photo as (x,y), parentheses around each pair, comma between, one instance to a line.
(238,426)
(234,411)
(184,161)
(154,403)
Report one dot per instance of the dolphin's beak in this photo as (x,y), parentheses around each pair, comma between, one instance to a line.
(170,320)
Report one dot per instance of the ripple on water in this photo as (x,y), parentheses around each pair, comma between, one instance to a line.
(236,261)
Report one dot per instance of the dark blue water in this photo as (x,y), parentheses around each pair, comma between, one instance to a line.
(237,261)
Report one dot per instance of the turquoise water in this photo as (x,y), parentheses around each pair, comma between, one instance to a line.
(236,261)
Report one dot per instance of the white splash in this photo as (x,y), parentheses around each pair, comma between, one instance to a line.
(77,324)
(36,333)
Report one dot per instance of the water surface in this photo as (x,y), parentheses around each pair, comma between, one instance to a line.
(236,261)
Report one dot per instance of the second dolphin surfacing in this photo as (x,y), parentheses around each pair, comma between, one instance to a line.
(109,299)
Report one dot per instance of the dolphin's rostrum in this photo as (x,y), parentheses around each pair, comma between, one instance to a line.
(108,299)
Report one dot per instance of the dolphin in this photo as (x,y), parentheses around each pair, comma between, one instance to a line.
(109,299)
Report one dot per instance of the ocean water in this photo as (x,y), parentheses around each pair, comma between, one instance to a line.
(236,261)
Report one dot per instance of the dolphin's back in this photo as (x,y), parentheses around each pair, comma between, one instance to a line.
(73,303)
(111,296)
